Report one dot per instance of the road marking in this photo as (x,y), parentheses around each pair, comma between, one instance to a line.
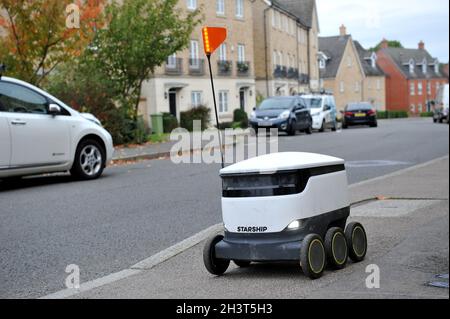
(378,163)
(177,249)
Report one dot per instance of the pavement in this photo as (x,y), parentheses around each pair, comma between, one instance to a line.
(410,250)
(139,210)
(151,151)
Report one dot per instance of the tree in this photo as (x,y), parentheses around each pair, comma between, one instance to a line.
(37,39)
(140,35)
(391,44)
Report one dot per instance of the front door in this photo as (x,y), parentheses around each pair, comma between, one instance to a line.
(242,99)
(37,138)
(173,102)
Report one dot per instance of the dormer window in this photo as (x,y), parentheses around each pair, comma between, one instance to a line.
(424,66)
(373,60)
(322,63)
(411,66)
(436,67)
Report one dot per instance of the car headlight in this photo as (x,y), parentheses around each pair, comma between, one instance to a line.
(285,115)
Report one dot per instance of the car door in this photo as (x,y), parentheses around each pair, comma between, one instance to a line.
(5,140)
(327,109)
(301,112)
(37,138)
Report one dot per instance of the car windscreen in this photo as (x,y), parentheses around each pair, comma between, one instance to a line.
(359,107)
(314,103)
(276,104)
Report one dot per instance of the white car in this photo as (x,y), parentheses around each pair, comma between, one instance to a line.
(40,134)
(323,111)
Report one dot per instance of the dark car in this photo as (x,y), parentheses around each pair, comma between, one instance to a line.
(288,114)
(359,114)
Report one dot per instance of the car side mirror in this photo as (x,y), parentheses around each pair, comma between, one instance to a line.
(54,109)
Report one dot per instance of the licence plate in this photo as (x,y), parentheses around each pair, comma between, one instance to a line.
(265,124)
(360,115)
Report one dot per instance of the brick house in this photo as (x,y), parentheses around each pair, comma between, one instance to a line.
(413,77)
(350,72)
(286,46)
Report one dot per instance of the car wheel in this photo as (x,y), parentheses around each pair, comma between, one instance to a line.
(322,128)
(309,130)
(344,126)
(89,161)
(291,130)
(434,120)
(313,256)
(214,265)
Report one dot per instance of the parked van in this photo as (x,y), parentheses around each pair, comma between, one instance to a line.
(441,111)
(323,111)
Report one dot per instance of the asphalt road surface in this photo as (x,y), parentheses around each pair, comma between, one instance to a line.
(137,210)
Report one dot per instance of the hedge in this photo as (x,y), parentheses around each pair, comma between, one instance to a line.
(426,114)
(392,114)
(200,113)
(170,122)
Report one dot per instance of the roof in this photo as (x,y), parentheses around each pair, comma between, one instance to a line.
(402,57)
(365,57)
(302,9)
(334,49)
(272,163)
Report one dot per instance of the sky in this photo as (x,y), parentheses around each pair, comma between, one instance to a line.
(409,21)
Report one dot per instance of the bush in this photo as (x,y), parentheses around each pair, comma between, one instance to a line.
(426,114)
(392,114)
(170,122)
(241,117)
(200,113)
(226,125)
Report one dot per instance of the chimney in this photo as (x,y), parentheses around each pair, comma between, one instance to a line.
(384,44)
(422,45)
(343,31)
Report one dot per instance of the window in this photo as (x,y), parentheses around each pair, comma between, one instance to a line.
(278,20)
(424,66)
(223,101)
(241,53)
(373,60)
(223,52)
(420,88)
(192,4)
(274,20)
(275,59)
(413,108)
(420,107)
(322,63)
(172,61)
(220,7)
(411,66)
(280,58)
(438,86)
(378,84)
(18,99)
(429,88)
(193,55)
(342,87)
(412,89)
(436,67)
(196,98)
(240,8)
(285,24)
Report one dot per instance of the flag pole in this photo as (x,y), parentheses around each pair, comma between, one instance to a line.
(215,109)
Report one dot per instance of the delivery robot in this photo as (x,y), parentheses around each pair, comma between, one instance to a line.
(286,207)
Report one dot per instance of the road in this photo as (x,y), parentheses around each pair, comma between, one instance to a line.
(137,210)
